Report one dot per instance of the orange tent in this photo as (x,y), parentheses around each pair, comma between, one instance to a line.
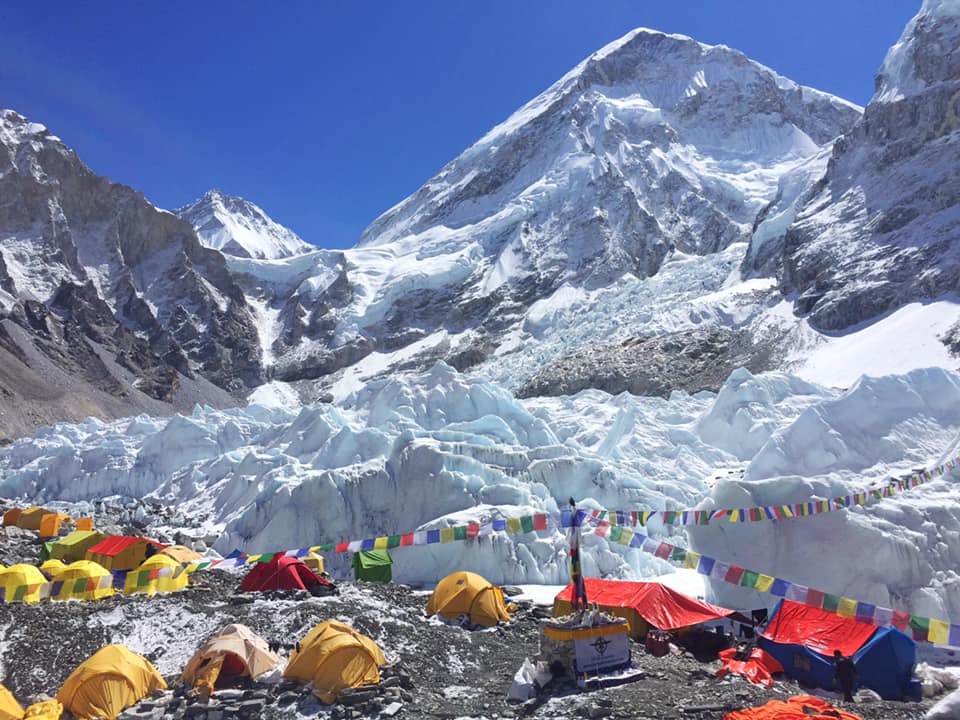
(30,518)
(11,516)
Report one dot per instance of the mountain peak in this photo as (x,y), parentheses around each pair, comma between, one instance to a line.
(236,226)
(927,53)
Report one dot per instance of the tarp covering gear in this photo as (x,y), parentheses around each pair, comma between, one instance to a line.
(121,552)
(759,667)
(235,651)
(181,553)
(153,583)
(334,656)
(74,546)
(315,562)
(108,682)
(282,573)
(51,567)
(45,550)
(22,583)
(803,638)
(642,604)
(11,516)
(373,566)
(799,707)
(9,707)
(466,593)
(30,518)
(87,570)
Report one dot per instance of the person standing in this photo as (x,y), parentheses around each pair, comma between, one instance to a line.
(846,674)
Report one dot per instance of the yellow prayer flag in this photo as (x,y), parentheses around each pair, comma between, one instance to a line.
(446,535)
(691,560)
(380,543)
(847,608)
(735,515)
(764,582)
(939,632)
(625,537)
(513,525)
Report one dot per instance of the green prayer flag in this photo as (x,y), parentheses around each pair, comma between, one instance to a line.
(266,557)
(143,578)
(678,554)
(460,531)
(615,532)
(525,522)
(79,585)
(831,602)
(393,541)
(749,578)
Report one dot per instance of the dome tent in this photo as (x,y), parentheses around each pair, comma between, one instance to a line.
(284,573)
(334,656)
(91,588)
(9,707)
(21,583)
(151,582)
(466,593)
(108,682)
(235,651)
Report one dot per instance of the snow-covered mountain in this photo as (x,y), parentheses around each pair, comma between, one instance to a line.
(109,305)
(237,227)
(655,150)
(879,228)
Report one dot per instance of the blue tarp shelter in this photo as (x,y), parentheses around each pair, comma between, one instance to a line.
(803,639)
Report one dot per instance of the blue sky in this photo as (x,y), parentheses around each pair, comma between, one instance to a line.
(328,113)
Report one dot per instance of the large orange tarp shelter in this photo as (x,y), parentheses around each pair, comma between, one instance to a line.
(642,605)
(122,552)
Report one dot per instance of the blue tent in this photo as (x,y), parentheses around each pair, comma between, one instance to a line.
(803,638)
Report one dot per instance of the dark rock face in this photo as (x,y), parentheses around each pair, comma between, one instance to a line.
(881,228)
(691,361)
(109,291)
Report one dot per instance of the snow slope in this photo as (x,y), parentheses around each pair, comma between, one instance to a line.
(433,449)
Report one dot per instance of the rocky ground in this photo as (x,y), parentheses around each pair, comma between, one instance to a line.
(437,670)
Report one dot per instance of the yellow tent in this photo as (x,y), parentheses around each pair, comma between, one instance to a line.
(315,563)
(30,518)
(466,593)
(108,682)
(334,656)
(169,583)
(181,553)
(243,653)
(52,567)
(9,707)
(86,570)
(44,710)
(15,577)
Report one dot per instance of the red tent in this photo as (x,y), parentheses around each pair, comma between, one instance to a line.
(820,630)
(281,573)
(643,603)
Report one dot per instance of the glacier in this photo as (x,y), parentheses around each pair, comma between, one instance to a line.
(434,449)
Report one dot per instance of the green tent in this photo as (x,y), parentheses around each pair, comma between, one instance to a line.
(45,550)
(74,546)
(373,566)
